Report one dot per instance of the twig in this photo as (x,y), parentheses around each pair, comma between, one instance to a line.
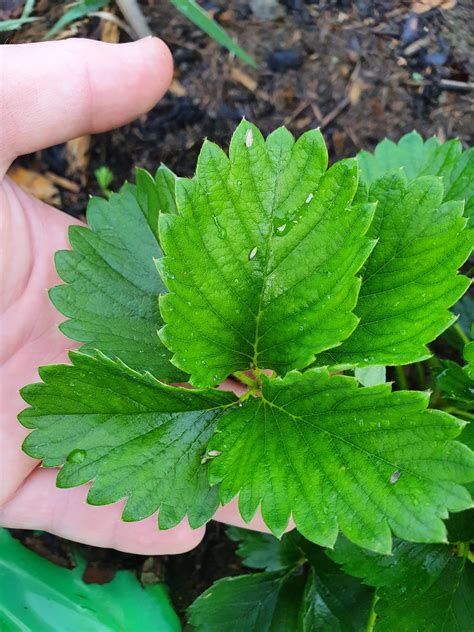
(110,17)
(340,107)
(456,86)
(134,17)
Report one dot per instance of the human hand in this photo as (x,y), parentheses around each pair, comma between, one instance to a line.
(52,92)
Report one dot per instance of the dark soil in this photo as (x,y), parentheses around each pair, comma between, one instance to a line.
(361,70)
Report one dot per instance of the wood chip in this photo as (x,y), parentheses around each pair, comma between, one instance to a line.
(77,157)
(109,31)
(243,78)
(177,89)
(64,183)
(36,184)
(422,6)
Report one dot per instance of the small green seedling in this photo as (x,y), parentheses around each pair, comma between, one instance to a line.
(104,177)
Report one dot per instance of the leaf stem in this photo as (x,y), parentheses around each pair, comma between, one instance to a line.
(372,614)
(462,549)
(458,329)
(401,378)
(241,376)
(456,411)
(420,374)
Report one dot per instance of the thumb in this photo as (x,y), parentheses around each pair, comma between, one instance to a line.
(54,91)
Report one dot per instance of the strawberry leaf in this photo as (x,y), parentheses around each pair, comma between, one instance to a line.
(261,260)
(334,456)
(131,435)
(419,587)
(111,285)
(454,382)
(165,181)
(410,279)
(260,602)
(264,551)
(310,594)
(418,158)
(469,357)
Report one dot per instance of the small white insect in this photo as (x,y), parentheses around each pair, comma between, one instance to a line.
(252,253)
(213,453)
(309,198)
(281,228)
(249,138)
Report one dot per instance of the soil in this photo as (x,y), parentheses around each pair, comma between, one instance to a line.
(361,70)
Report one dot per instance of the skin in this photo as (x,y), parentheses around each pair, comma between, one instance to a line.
(51,92)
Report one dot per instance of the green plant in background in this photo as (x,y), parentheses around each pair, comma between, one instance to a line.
(201,19)
(268,260)
(75,11)
(104,177)
(84,8)
(39,596)
(25,18)
(303,587)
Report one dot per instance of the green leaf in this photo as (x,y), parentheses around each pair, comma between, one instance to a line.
(41,596)
(418,158)
(334,456)
(371,375)
(420,587)
(203,20)
(456,384)
(112,286)
(264,551)
(464,311)
(166,189)
(13,25)
(460,525)
(104,177)
(76,11)
(312,598)
(333,601)
(469,357)
(461,183)
(410,280)
(131,435)
(261,260)
(147,198)
(253,601)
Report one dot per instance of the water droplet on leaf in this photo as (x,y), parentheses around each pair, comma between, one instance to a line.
(76,456)
(221,232)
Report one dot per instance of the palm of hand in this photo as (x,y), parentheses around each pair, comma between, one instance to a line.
(31,233)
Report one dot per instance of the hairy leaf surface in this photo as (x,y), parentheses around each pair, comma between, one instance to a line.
(261,260)
(420,587)
(410,279)
(131,435)
(418,158)
(334,456)
(111,285)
